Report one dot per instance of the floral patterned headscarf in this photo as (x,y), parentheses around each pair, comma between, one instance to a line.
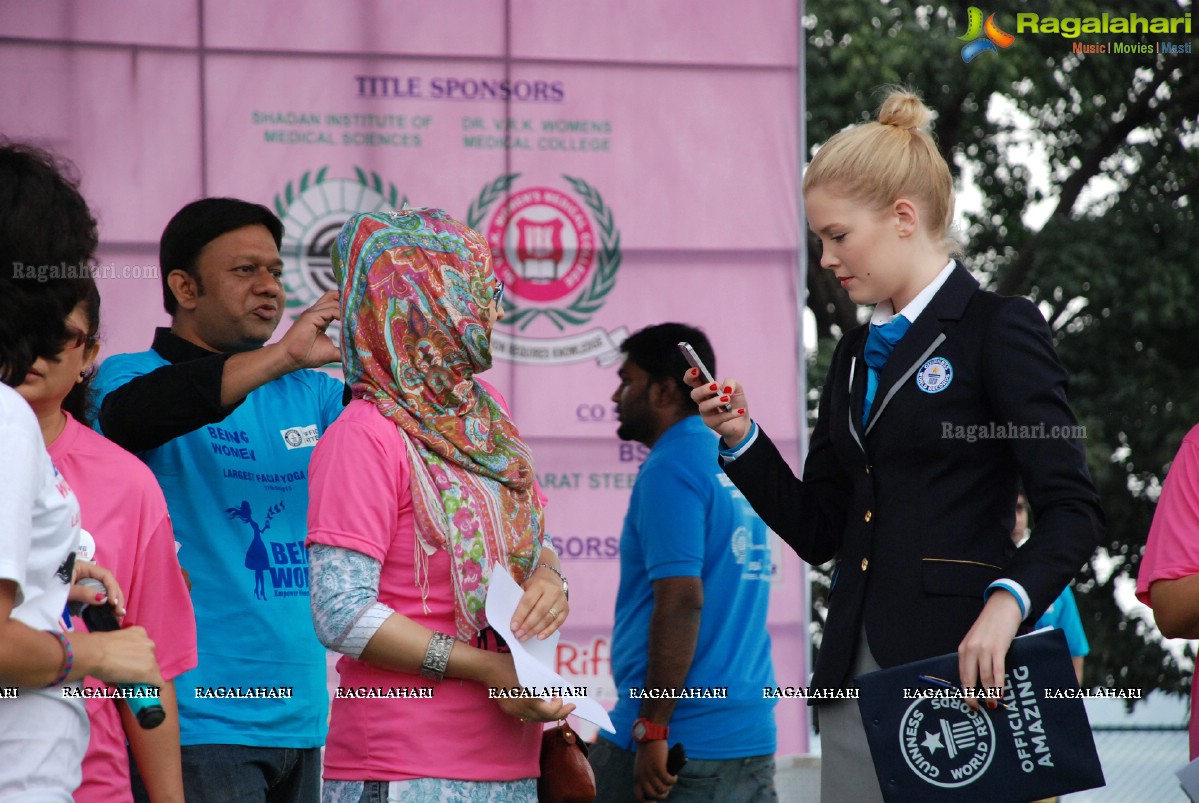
(414,285)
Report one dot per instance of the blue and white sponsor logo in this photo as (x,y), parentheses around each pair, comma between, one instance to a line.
(300,437)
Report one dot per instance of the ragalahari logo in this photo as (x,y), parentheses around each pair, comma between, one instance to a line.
(983,37)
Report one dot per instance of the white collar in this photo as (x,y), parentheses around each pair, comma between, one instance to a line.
(884,313)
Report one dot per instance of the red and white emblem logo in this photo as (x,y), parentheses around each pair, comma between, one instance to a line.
(542,244)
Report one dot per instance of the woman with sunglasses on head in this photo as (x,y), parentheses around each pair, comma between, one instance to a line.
(43,728)
(416,491)
(125,527)
(915,509)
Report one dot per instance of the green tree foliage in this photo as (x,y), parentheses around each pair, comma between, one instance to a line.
(1107,245)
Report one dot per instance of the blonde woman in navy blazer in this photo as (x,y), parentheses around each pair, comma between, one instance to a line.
(911,493)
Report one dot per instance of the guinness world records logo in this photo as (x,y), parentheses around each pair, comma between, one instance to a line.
(313,209)
(945,743)
(558,253)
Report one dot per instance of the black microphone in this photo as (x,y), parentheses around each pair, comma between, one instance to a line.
(676,758)
(101,619)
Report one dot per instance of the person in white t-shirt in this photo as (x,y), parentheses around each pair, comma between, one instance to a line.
(44,223)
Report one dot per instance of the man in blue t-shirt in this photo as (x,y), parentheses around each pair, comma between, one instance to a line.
(227,425)
(690,650)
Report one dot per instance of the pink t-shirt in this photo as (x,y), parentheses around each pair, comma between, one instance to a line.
(1172,549)
(127,531)
(359,498)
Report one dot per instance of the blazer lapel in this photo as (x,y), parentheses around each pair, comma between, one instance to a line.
(857,388)
(925,336)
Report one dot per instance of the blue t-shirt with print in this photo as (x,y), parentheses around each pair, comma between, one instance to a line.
(686,519)
(237,492)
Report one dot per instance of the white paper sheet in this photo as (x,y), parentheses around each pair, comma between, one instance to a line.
(534,658)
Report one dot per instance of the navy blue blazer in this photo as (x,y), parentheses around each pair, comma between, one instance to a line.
(915,507)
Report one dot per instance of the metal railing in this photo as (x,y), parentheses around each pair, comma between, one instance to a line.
(1139,762)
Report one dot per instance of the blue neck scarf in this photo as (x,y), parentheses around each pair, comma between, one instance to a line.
(879,345)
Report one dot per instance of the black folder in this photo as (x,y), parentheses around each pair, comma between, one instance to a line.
(927,745)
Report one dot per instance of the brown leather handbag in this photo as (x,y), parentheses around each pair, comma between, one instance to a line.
(566,775)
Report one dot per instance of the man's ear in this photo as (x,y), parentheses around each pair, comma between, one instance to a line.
(185,287)
(665,393)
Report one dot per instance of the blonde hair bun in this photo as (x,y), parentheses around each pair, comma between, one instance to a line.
(874,163)
(904,109)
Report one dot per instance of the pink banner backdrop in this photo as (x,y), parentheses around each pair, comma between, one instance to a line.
(630,162)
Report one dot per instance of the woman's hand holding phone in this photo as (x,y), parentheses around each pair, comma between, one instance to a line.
(712,397)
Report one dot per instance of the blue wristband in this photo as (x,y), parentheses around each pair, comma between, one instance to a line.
(68,662)
(749,436)
(1011,588)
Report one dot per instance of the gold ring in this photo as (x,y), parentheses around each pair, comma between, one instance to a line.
(553,613)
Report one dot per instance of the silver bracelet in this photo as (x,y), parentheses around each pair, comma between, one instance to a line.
(437,656)
(562,577)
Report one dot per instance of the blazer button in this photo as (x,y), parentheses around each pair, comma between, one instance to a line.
(865,563)
(868,469)
(868,516)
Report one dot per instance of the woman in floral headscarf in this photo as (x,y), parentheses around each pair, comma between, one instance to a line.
(417,490)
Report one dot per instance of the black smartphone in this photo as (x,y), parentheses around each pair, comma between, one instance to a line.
(695,362)
(676,759)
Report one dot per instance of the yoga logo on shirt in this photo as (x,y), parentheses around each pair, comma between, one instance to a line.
(285,561)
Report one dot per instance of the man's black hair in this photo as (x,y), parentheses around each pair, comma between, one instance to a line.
(199,223)
(47,234)
(655,350)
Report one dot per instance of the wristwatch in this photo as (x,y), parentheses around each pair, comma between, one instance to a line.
(562,577)
(646,731)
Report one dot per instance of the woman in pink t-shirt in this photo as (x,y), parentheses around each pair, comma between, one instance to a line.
(125,527)
(415,492)
(1168,581)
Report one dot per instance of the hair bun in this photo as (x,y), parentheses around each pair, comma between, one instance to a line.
(904,109)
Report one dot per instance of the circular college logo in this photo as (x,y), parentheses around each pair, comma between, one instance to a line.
(542,244)
(313,210)
(935,375)
(557,249)
(945,743)
(293,438)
